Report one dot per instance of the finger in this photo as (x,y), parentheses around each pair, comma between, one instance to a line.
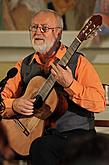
(61,68)
(27,114)
(28,106)
(68,68)
(53,72)
(27,111)
(32,100)
(29,102)
(54,68)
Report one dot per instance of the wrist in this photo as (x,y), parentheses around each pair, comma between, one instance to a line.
(69,84)
(13,109)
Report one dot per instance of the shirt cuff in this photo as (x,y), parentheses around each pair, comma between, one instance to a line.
(8,112)
(74,89)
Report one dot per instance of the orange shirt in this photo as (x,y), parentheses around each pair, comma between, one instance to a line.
(87,91)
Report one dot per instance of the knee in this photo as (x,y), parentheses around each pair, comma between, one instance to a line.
(35,145)
(38,145)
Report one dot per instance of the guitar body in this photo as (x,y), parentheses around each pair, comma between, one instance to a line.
(18,141)
(22,130)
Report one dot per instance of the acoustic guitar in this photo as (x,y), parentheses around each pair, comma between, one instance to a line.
(22,130)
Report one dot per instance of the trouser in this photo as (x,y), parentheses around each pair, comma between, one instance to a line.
(49,149)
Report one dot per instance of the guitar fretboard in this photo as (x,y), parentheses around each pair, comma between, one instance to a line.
(49,83)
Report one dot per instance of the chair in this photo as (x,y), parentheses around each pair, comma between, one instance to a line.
(17,161)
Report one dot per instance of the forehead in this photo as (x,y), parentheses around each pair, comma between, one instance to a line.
(45,18)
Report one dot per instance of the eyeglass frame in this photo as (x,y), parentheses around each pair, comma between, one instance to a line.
(47,28)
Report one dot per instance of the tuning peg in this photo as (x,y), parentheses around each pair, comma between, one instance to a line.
(100,29)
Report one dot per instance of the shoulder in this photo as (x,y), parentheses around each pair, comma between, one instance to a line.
(83,59)
(84,62)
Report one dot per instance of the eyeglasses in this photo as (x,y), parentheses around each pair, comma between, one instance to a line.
(43,28)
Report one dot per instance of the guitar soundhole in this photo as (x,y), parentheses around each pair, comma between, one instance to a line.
(38,102)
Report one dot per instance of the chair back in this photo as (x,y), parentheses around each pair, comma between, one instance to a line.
(106,88)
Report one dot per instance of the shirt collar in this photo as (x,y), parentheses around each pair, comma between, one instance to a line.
(59,54)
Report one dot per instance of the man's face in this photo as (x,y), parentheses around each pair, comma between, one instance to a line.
(42,36)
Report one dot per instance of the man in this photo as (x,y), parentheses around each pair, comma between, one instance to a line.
(79,97)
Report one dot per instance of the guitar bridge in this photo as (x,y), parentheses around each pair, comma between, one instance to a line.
(22,127)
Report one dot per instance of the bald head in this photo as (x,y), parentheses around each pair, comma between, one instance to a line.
(50,16)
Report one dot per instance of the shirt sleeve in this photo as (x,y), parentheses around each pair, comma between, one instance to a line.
(87,90)
(11,91)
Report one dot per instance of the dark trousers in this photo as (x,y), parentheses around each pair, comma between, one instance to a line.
(49,149)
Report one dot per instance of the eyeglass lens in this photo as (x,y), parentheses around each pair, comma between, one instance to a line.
(43,28)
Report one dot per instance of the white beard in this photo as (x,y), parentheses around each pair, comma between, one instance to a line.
(40,49)
(43,47)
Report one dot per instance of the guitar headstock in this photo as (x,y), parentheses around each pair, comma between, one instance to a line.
(90,27)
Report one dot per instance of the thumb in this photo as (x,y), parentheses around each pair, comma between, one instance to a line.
(68,69)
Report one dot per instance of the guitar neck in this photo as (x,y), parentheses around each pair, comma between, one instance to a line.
(49,83)
(46,87)
(70,52)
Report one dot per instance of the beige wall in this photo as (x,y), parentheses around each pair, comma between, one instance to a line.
(17,45)
(4,67)
(102,70)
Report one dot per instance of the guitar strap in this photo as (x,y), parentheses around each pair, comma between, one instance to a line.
(73,63)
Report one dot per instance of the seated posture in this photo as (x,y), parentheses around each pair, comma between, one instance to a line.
(76,93)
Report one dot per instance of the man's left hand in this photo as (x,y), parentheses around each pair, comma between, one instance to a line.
(62,76)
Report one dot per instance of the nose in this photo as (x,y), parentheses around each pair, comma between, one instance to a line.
(39,29)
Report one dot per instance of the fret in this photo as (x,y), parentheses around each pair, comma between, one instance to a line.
(70,51)
(47,86)
(75,45)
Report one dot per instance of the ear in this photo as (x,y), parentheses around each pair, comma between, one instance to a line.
(59,34)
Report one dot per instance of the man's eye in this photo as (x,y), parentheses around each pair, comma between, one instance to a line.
(34,27)
(44,28)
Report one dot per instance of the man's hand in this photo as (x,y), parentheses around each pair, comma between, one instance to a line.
(23,106)
(62,76)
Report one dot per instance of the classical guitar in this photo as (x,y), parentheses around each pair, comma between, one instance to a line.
(22,130)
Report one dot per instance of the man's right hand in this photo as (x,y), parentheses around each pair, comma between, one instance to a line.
(23,106)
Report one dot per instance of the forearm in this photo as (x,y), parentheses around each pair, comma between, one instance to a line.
(11,91)
(87,90)
(91,97)
(8,110)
